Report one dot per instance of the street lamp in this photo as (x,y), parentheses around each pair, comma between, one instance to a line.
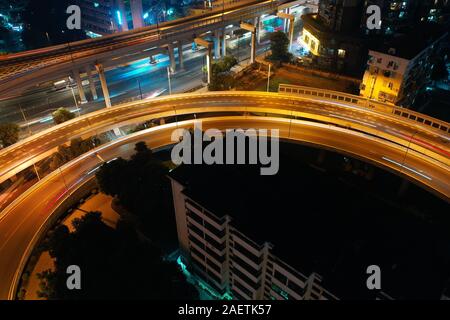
(168,79)
(268,77)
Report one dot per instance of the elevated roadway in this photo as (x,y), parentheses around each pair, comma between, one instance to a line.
(386,140)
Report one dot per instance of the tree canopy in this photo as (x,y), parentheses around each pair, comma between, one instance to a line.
(9,134)
(142,187)
(115,264)
(279,45)
(221,79)
(62,115)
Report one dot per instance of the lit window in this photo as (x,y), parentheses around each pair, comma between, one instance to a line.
(341,53)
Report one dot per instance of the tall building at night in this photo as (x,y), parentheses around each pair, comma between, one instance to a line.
(332,36)
(98,17)
(230,261)
(340,15)
(102,17)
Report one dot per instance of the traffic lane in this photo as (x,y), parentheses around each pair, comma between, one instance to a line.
(120,80)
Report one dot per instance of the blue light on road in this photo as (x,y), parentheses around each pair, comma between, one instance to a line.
(119,17)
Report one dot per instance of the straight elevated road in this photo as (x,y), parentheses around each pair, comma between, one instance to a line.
(22,70)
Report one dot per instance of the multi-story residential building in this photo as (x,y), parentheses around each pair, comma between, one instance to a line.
(216,249)
(400,69)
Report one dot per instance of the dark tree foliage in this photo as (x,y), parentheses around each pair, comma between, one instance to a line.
(142,187)
(62,115)
(221,79)
(115,264)
(9,134)
(279,45)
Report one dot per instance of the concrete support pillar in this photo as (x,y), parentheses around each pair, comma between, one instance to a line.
(291,19)
(286,22)
(101,76)
(258,29)
(224,43)
(216,44)
(91,83)
(253,48)
(173,63)
(291,33)
(137,13)
(180,55)
(123,14)
(252,29)
(76,75)
(209,55)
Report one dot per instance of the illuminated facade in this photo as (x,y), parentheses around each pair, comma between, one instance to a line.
(383,79)
(398,72)
(229,262)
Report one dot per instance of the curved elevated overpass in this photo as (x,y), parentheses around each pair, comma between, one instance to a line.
(393,142)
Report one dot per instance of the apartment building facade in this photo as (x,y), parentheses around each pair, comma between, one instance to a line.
(397,73)
(230,262)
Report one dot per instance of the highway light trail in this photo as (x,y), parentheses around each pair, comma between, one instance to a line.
(407,168)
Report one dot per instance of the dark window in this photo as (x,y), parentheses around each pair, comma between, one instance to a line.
(213,266)
(212,253)
(217,245)
(195,217)
(219,233)
(242,288)
(247,253)
(295,287)
(280,277)
(197,242)
(246,266)
(196,230)
(237,295)
(246,279)
(198,253)
(214,277)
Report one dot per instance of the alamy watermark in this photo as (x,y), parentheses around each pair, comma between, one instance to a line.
(214,147)
(374,18)
(74,20)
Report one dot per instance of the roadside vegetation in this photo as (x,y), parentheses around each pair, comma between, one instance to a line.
(9,134)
